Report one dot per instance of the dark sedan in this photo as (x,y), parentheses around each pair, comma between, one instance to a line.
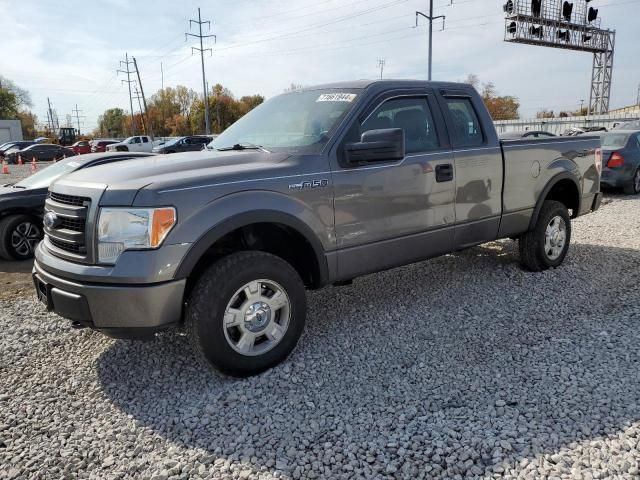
(192,143)
(41,152)
(22,204)
(621,160)
(5,147)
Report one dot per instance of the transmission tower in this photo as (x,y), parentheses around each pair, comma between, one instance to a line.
(78,116)
(557,24)
(199,22)
(128,81)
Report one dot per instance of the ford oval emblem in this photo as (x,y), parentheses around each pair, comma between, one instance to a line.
(51,220)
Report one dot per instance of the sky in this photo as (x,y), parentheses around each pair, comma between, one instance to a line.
(69,50)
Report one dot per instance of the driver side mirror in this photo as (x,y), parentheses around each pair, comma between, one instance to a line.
(376,146)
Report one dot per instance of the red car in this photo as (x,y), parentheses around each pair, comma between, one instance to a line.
(101,145)
(81,147)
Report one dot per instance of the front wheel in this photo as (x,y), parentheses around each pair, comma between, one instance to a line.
(19,235)
(547,244)
(246,313)
(633,188)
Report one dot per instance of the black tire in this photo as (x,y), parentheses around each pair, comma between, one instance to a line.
(217,287)
(533,254)
(633,188)
(15,225)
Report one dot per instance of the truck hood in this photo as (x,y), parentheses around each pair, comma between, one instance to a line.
(122,180)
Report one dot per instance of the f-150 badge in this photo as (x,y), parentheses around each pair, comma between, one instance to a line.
(309,184)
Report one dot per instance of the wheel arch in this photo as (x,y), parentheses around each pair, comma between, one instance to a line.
(262,222)
(563,187)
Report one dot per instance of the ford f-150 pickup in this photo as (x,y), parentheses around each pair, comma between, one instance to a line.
(314,187)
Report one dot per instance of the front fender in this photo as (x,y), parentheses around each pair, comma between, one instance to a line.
(228,213)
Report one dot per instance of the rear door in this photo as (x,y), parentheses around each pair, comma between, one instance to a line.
(478,167)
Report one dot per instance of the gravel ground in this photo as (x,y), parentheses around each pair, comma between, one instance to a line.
(18,172)
(463,366)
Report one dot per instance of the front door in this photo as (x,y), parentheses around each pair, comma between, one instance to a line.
(396,212)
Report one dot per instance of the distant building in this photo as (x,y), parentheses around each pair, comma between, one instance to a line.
(10,130)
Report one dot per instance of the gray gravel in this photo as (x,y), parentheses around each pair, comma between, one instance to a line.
(463,366)
(18,172)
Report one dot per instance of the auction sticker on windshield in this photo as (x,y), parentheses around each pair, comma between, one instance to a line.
(336,97)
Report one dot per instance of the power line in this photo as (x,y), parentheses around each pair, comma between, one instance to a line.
(128,81)
(199,22)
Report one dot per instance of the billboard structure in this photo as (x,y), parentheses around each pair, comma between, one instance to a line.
(570,26)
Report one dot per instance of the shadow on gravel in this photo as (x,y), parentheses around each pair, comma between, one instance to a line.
(461,365)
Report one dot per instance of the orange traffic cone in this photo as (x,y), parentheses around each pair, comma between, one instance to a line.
(5,168)
(34,167)
(20,162)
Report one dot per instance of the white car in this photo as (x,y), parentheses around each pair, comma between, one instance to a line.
(140,143)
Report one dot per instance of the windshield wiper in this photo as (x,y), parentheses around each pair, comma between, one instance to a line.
(244,146)
(18,186)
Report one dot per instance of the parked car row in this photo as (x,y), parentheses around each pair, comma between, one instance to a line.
(41,152)
(22,204)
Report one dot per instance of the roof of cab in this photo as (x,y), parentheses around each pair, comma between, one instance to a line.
(399,83)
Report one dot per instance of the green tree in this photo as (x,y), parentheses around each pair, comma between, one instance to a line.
(112,123)
(8,104)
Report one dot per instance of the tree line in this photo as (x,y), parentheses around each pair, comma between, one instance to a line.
(177,111)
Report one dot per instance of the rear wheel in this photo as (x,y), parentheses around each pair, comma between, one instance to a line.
(633,188)
(246,313)
(547,244)
(19,235)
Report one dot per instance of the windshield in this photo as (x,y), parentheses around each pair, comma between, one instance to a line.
(612,141)
(45,177)
(300,121)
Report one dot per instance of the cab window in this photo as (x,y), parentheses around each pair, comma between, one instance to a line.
(466,125)
(410,114)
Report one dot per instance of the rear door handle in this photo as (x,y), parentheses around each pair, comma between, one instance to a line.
(444,173)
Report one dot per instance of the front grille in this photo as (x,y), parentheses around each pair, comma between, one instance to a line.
(75,224)
(68,199)
(68,235)
(66,246)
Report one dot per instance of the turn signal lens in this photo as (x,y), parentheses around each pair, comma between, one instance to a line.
(163,221)
(616,160)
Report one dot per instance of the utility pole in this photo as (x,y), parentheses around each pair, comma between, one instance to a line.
(77,112)
(137,95)
(199,22)
(144,100)
(161,77)
(50,112)
(431,18)
(128,81)
(638,100)
(381,62)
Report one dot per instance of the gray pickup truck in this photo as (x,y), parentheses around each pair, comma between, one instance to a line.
(314,187)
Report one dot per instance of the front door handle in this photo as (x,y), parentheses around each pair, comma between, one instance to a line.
(444,173)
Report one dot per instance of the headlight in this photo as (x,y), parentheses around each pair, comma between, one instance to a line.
(121,229)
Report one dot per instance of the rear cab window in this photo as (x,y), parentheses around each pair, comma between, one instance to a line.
(467,130)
